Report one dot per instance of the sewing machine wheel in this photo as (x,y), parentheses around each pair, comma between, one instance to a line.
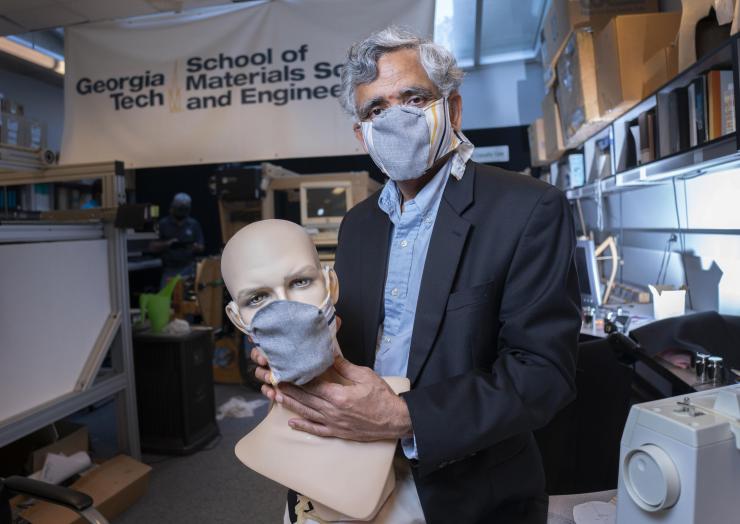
(651,478)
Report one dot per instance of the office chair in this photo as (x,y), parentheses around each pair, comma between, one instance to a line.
(78,502)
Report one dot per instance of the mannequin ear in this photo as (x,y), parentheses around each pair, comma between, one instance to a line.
(232,311)
(332,284)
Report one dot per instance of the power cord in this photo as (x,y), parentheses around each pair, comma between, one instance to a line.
(681,237)
(665,260)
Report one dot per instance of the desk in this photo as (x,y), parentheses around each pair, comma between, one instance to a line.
(641,315)
(660,374)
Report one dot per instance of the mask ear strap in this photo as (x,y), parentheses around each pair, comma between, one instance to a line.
(232,311)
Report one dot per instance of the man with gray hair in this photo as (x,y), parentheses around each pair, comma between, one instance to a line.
(457,275)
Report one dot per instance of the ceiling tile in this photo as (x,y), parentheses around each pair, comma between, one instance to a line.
(45,17)
(20,5)
(192,4)
(7,27)
(95,10)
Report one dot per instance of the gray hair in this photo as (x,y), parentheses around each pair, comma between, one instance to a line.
(362,58)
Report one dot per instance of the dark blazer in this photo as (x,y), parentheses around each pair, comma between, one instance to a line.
(494,340)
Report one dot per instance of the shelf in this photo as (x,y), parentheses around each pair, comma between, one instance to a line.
(717,154)
(138,265)
(720,153)
(147,235)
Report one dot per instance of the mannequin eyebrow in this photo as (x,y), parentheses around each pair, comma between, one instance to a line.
(247,293)
(307,271)
(302,273)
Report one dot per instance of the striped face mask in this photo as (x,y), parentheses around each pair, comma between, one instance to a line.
(405,141)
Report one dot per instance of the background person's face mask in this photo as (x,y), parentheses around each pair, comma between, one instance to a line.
(405,141)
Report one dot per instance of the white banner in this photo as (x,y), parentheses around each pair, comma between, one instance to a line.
(244,83)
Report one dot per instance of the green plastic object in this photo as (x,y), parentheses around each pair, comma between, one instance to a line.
(156,307)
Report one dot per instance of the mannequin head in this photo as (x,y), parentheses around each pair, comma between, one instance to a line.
(273,260)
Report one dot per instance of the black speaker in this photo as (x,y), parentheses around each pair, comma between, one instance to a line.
(174,391)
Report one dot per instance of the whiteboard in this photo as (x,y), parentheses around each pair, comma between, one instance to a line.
(54,302)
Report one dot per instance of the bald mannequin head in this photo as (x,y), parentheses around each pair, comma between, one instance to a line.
(272,260)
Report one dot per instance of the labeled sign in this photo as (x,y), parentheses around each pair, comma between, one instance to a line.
(491,154)
(250,82)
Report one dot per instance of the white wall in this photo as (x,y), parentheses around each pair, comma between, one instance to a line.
(40,100)
(502,95)
(643,220)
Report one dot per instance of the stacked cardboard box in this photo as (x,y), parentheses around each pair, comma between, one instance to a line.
(635,55)
(564,16)
(576,89)
(537,144)
(554,146)
(601,75)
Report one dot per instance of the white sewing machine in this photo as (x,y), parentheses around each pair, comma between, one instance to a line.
(680,460)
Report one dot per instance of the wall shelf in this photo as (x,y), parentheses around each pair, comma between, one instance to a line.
(721,153)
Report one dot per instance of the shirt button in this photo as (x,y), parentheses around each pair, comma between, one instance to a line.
(428,220)
(387,340)
(394,291)
(404,243)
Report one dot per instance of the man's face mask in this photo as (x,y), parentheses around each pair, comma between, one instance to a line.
(405,141)
(297,339)
(180,212)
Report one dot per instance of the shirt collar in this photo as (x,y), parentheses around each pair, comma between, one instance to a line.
(462,154)
(390,197)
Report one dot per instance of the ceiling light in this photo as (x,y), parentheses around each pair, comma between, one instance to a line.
(31,55)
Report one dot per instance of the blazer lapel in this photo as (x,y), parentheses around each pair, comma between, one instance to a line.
(374,267)
(445,248)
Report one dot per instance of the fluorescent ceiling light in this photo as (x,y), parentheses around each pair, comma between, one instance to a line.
(31,55)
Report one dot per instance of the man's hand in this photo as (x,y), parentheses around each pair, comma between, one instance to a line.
(366,409)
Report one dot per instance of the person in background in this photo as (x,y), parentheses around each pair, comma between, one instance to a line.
(180,240)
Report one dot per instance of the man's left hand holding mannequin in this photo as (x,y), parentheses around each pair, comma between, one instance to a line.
(366,409)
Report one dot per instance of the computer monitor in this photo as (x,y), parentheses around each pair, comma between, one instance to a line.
(588,273)
(324,204)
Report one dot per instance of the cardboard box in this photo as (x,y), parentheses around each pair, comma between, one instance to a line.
(554,146)
(691,13)
(27,454)
(660,68)
(114,486)
(633,59)
(537,146)
(566,15)
(576,91)
(71,439)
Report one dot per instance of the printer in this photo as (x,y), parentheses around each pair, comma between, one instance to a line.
(680,460)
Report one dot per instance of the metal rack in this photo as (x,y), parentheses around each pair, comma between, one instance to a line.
(115,337)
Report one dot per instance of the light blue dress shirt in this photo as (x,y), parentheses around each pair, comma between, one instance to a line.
(411,232)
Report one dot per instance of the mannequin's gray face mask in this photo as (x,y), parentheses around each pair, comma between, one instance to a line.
(404,141)
(296,338)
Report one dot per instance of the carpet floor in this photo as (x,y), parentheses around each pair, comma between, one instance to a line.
(210,485)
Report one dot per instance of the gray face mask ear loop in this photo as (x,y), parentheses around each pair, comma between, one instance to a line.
(327,308)
(232,311)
